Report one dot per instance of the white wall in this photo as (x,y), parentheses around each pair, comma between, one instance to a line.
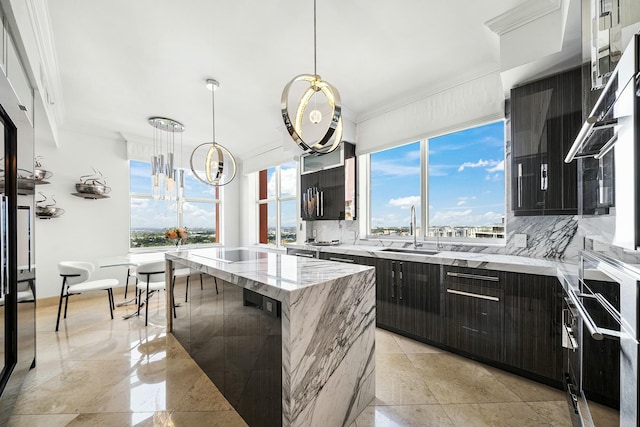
(89,229)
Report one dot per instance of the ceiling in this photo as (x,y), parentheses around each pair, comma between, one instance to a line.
(122,61)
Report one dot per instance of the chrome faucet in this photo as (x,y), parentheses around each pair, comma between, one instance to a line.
(414,232)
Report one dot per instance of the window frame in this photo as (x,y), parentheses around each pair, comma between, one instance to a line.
(364,163)
(215,202)
(277,199)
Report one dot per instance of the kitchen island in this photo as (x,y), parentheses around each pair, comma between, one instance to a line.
(269,322)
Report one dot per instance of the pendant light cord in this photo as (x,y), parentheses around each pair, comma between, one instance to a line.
(213,110)
(315,50)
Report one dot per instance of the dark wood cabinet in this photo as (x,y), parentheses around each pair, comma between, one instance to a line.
(511,320)
(474,300)
(532,319)
(408,298)
(329,193)
(325,197)
(385,293)
(546,116)
(418,293)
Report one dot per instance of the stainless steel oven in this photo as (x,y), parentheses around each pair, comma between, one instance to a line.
(608,146)
(600,340)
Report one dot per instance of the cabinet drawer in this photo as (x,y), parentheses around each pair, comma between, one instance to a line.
(475,319)
(473,277)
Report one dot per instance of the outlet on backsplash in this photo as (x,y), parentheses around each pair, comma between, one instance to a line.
(520,240)
(599,246)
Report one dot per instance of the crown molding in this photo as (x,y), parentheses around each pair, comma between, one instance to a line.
(522,14)
(48,75)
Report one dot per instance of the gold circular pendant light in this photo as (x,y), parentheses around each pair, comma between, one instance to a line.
(212,163)
(333,134)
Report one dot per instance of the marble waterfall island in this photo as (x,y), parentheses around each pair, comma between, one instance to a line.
(287,340)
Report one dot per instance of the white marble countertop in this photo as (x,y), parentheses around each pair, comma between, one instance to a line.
(268,273)
(512,263)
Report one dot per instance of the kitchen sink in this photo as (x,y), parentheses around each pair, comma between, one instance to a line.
(410,251)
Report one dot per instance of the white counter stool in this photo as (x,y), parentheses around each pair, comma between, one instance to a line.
(151,278)
(75,280)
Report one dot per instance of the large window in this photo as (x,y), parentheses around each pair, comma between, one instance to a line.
(277,204)
(455,182)
(198,210)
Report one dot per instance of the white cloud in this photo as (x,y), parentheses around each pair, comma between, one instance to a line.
(440,170)
(494,165)
(288,181)
(404,202)
(464,199)
(496,168)
(412,155)
(394,168)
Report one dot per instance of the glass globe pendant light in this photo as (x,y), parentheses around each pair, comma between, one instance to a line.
(333,135)
(212,163)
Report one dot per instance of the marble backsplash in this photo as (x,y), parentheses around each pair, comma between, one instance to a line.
(555,237)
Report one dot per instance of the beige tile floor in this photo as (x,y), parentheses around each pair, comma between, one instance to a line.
(101,372)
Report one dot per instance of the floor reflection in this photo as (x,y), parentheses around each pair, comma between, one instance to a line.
(101,372)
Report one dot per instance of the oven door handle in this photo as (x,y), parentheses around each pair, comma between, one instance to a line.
(595,332)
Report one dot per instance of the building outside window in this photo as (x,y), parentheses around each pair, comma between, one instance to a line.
(454,181)
(277,204)
(198,211)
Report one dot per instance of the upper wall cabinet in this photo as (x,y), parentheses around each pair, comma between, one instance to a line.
(546,116)
(18,78)
(328,185)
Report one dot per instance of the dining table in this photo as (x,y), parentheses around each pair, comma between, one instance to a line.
(130,260)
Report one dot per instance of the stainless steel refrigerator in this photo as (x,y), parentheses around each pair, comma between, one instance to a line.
(17,269)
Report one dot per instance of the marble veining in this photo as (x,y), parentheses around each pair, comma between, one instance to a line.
(517,264)
(331,342)
(547,236)
(328,329)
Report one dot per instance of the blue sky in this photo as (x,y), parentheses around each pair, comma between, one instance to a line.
(466,179)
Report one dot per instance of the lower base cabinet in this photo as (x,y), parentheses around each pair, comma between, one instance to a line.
(474,311)
(408,297)
(236,343)
(512,320)
(532,319)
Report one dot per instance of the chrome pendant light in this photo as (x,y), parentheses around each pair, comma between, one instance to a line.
(211,162)
(163,171)
(333,135)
